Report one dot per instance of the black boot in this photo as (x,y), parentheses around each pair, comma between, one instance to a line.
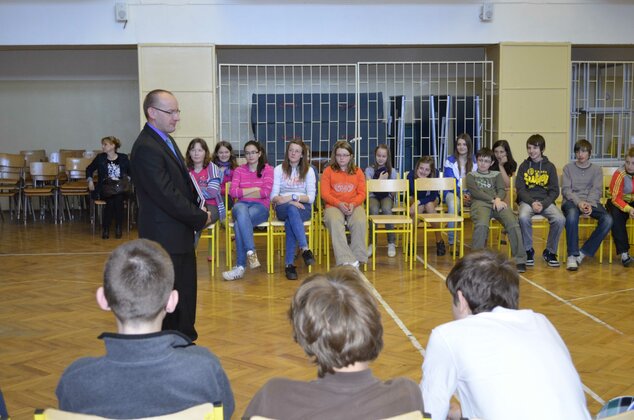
(105,233)
(117,231)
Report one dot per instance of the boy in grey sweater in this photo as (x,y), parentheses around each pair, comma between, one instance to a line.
(145,372)
(487,194)
(581,188)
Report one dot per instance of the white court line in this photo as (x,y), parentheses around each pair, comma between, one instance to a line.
(55,254)
(602,294)
(395,317)
(573,306)
(421,349)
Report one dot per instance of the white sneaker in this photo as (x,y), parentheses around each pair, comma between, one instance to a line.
(235,273)
(252,257)
(391,250)
(571,263)
(369,251)
(353,264)
(580,258)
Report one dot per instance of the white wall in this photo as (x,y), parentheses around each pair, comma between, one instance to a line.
(67,99)
(325,22)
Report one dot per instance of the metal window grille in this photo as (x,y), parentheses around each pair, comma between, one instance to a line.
(601,108)
(416,108)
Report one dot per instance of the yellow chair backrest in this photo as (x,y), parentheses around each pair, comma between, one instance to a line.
(206,411)
(437,184)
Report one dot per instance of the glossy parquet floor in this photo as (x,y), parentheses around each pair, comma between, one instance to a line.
(48,315)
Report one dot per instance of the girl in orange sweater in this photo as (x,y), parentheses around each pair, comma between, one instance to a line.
(343,190)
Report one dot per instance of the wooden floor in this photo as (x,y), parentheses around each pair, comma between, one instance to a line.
(48,315)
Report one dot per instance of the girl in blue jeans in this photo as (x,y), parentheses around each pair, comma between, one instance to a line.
(294,188)
(251,186)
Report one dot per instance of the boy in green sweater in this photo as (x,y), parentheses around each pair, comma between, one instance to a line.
(487,194)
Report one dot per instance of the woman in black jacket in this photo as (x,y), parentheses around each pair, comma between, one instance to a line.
(113,166)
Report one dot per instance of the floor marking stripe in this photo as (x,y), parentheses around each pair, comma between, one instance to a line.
(601,294)
(573,306)
(54,254)
(395,317)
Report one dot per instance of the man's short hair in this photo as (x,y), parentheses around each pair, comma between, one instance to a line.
(485,152)
(584,145)
(137,280)
(336,320)
(151,100)
(630,152)
(486,279)
(537,140)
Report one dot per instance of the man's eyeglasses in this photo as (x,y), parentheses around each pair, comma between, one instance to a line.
(251,153)
(172,113)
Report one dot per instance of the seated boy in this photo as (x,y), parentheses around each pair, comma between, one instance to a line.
(487,200)
(146,371)
(581,188)
(336,321)
(504,362)
(537,189)
(621,206)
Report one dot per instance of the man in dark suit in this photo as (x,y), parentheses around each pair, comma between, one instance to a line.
(166,196)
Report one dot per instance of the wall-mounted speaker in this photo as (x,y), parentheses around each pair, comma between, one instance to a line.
(121,12)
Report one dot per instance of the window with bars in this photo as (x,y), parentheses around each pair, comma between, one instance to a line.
(601,108)
(417,108)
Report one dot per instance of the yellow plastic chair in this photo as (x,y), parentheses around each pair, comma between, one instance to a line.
(266,234)
(403,224)
(277,231)
(206,411)
(212,235)
(441,185)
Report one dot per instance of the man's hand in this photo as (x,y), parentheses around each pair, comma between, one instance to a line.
(632,213)
(467,199)
(208,218)
(537,207)
(91,185)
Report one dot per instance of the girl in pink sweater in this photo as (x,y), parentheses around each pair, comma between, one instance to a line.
(251,190)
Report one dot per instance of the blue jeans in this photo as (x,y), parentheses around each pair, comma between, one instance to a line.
(571,211)
(452,202)
(294,219)
(246,215)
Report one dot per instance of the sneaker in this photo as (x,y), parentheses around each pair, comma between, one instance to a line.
(235,273)
(391,250)
(551,258)
(571,263)
(580,257)
(521,268)
(291,273)
(309,258)
(440,248)
(627,261)
(530,257)
(252,257)
(354,264)
(369,251)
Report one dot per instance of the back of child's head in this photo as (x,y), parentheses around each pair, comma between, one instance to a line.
(426,160)
(203,145)
(138,279)
(537,140)
(336,319)
(485,152)
(233,161)
(583,145)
